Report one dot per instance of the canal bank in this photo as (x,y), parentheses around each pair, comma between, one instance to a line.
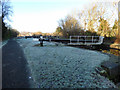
(113,64)
(111,50)
(60,66)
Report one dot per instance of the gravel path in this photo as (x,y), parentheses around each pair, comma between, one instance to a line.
(62,66)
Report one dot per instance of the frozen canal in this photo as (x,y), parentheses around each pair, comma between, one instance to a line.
(61,66)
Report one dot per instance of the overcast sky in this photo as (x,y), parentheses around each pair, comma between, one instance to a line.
(42,15)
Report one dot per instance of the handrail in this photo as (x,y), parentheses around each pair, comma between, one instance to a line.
(93,39)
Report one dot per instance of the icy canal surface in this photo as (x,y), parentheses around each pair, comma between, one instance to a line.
(59,66)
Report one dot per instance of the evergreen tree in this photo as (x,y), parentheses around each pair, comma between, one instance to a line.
(103,28)
(115,28)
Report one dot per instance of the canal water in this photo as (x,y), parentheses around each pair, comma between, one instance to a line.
(111,51)
(102,48)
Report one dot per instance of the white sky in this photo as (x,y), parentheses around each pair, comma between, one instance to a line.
(42,15)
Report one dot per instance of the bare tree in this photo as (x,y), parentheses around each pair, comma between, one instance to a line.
(6,12)
(6,9)
(90,16)
(69,26)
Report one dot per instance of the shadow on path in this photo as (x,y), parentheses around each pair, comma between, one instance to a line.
(14,70)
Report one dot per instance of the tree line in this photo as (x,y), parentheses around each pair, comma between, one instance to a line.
(7,31)
(91,21)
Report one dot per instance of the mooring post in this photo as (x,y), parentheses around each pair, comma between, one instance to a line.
(41,41)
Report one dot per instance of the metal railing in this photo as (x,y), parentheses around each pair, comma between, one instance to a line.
(86,40)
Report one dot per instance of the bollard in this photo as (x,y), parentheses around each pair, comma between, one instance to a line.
(41,42)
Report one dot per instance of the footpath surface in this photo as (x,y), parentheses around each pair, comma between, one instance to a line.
(14,70)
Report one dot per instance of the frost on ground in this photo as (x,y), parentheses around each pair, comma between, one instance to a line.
(3,43)
(63,67)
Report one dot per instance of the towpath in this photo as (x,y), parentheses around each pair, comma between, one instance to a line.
(14,70)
